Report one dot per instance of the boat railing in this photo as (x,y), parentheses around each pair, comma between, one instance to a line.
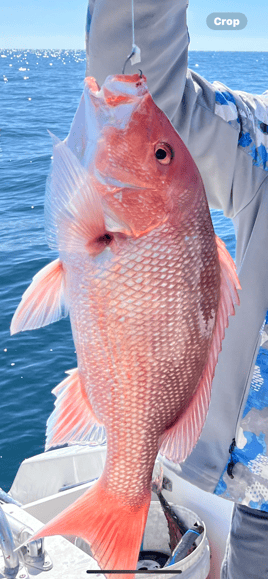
(19,552)
(11,557)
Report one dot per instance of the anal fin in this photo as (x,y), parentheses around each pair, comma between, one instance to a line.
(179,440)
(73,419)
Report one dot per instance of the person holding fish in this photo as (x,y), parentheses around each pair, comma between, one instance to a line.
(226,133)
(149,287)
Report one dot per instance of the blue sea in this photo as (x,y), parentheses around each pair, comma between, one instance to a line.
(41,90)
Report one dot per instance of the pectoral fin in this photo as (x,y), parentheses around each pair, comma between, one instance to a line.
(75,214)
(43,302)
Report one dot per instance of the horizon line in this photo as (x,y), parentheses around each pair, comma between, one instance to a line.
(84,50)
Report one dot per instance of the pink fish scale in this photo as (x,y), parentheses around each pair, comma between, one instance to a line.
(142,369)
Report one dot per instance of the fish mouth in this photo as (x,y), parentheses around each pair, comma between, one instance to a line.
(118,89)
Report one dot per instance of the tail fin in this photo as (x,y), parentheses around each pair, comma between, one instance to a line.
(113,530)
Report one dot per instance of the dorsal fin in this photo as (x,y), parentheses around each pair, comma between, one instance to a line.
(179,440)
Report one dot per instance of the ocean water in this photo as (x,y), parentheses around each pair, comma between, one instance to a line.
(40,90)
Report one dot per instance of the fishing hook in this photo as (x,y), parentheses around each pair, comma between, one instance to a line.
(135,49)
(128,58)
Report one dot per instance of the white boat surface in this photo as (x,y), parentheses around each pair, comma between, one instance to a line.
(47,483)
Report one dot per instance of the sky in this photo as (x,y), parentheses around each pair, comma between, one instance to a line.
(61,24)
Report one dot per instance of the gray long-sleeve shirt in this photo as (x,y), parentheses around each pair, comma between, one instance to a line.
(227,134)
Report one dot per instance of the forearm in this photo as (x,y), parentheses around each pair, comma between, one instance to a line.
(161,34)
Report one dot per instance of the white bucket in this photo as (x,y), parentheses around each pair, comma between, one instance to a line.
(156,538)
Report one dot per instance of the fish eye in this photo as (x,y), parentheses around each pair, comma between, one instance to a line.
(163,153)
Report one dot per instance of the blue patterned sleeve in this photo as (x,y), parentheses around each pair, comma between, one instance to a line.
(248,114)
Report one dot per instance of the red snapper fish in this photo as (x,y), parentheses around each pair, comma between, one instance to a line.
(148,287)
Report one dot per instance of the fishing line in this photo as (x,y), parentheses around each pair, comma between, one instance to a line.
(135,55)
(133,26)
